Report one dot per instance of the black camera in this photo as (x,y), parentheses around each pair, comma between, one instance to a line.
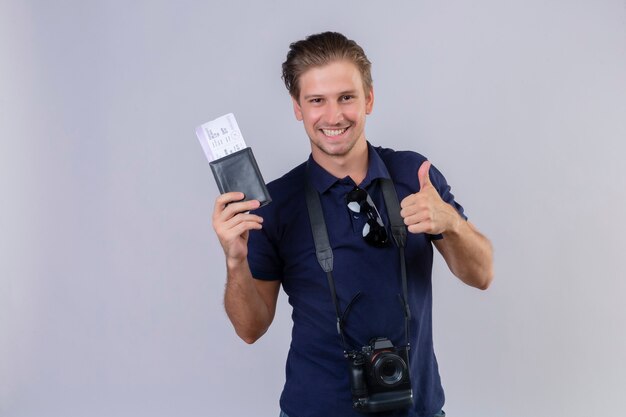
(379,377)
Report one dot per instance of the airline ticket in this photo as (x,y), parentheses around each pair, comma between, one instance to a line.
(220,137)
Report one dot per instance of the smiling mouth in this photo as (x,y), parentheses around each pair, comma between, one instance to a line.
(334,132)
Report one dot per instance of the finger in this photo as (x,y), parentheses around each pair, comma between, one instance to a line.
(234,208)
(417,218)
(241,207)
(223,200)
(226,198)
(409,201)
(243,227)
(227,225)
(408,211)
(242,218)
(412,204)
(423,174)
(422,227)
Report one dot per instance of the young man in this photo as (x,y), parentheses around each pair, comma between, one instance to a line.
(328,77)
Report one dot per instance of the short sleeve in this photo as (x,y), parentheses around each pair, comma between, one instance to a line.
(444,190)
(263,255)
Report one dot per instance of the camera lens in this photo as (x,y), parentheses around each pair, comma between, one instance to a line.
(389,369)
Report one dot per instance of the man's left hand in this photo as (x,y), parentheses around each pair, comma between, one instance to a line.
(425,211)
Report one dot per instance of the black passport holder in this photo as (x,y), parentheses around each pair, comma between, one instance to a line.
(240,172)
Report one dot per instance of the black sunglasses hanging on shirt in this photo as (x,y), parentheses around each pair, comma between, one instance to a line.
(374,232)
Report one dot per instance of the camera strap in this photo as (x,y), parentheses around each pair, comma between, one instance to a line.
(324,251)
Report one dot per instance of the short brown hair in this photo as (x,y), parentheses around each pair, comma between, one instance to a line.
(319,50)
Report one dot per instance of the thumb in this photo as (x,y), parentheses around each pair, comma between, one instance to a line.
(422,174)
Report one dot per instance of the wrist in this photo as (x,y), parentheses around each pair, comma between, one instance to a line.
(235,263)
(456,222)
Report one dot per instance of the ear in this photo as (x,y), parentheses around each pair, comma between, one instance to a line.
(369,101)
(296,109)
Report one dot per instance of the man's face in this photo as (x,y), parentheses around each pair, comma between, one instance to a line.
(333,105)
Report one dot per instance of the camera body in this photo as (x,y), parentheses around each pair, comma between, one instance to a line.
(379,377)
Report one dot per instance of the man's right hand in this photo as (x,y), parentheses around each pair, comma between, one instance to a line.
(250,303)
(232,223)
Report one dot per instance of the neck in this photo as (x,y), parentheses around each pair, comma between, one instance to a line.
(353,164)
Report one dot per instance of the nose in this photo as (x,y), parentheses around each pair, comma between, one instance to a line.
(333,114)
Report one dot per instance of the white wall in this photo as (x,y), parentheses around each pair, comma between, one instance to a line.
(111,278)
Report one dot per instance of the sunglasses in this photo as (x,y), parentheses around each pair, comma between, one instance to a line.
(374,232)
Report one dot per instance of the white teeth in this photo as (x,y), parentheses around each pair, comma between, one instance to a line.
(335,132)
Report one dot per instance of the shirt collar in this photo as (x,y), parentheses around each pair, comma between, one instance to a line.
(322,180)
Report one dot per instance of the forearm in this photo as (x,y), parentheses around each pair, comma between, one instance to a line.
(244,304)
(468,253)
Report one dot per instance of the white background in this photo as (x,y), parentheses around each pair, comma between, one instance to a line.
(111,278)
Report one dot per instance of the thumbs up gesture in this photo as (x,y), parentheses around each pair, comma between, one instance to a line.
(425,211)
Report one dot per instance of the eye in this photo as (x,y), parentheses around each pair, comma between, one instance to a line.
(315,100)
(346,97)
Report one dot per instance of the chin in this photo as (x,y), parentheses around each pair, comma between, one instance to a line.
(338,149)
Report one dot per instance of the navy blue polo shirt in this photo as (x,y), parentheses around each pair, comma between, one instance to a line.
(317,378)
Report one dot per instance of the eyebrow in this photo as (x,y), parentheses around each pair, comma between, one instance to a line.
(343,93)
